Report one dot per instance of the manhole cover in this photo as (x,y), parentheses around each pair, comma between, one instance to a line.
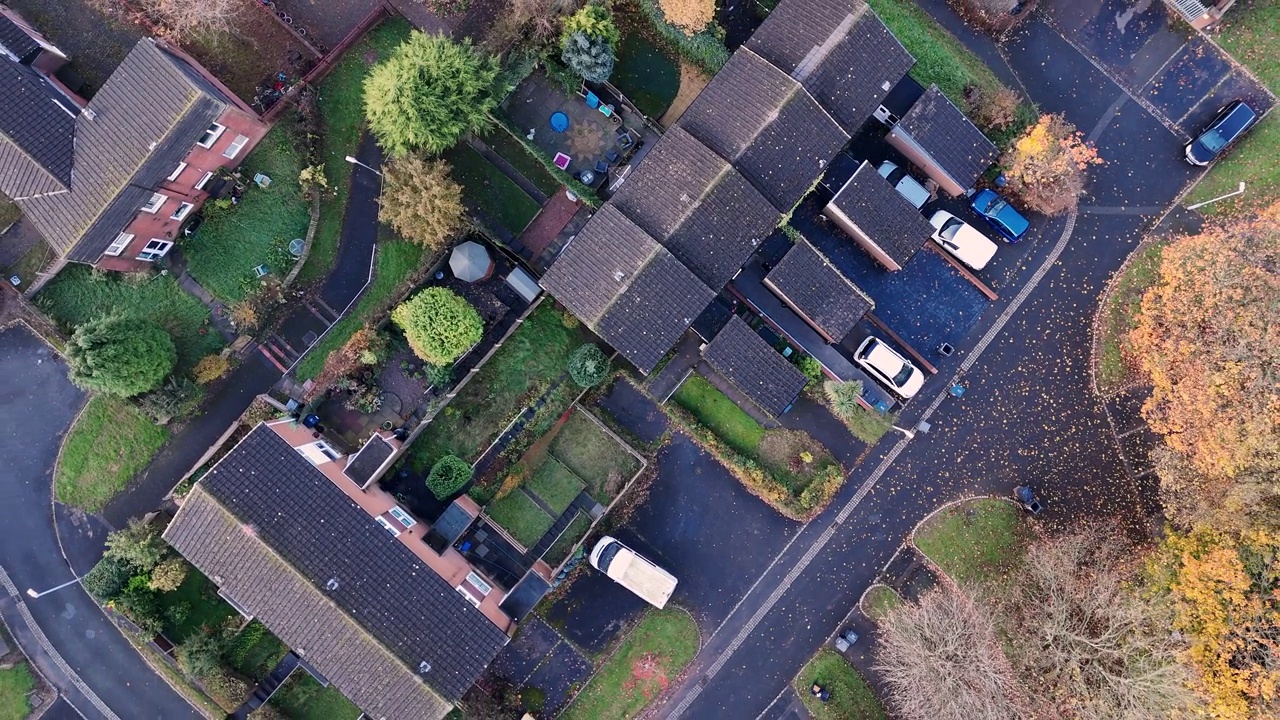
(309,339)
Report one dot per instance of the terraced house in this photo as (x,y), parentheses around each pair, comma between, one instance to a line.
(111,181)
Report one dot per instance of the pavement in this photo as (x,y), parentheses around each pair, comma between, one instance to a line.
(64,632)
(1028,412)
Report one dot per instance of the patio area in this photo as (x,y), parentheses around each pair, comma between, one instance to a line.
(579,138)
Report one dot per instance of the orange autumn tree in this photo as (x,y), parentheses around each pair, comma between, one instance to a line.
(691,16)
(1046,166)
(1208,337)
(1224,593)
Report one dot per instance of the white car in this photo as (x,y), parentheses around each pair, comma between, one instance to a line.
(962,240)
(890,368)
(906,185)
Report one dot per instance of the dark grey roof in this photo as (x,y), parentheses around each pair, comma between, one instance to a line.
(599,263)
(144,119)
(839,50)
(754,367)
(659,305)
(943,131)
(698,206)
(294,509)
(16,40)
(872,204)
(767,125)
(37,133)
(368,460)
(818,290)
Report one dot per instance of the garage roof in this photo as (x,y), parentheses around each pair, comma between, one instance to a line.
(871,203)
(947,135)
(818,291)
(743,357)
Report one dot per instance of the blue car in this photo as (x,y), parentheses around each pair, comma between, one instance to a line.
(1002,216)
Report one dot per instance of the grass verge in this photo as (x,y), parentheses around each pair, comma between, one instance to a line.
(77,295)
(715,410)
(555,484)
(518,515)
(397,265)
(868,425)
(15,684)
(649,659)
(341,106)
(851,697)
(594,456)
(1120,309)
(488,191)
(974,540)
(879,601)
(108,445)
(235,240)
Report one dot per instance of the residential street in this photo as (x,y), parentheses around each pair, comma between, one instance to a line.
(1028,413)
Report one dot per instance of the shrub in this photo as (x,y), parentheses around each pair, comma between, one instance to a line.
(439,325)
(592,21)
(429,93)
(121,356)
(244,315)
(210,368)
(169,574)
(1046,165)
(588,366)
(177,613)
(108,578)
(843,397)
(363,344)
(705,49)
(226,689)
(244,641)
(691,16)
(421,201)
(138,603)
(448,476)
(994,112)
(178,397)
(139,545)
(201,654)
(811,368)
(592,58)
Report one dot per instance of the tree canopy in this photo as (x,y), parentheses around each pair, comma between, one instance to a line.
(429,93)
(121,356)
(1046,166)
(589,43)
(588,365)
(421,201)
(439,325)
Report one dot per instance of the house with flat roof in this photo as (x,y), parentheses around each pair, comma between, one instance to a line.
(878,218)
(939,139)
(294,533)
(110,181)
(812,287)
(743,358)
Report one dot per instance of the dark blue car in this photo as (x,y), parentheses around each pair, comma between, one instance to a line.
(1001,215)
(1225,129)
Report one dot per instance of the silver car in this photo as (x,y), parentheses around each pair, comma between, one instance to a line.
(906,185)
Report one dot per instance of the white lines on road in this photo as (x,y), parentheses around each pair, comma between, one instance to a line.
(53,654)
(821,543)
(1121,210)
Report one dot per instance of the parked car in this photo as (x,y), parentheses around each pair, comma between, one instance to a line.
(632,571)
(886,365)
(906,185)
(962,240)
(1002,216)
(1232,122)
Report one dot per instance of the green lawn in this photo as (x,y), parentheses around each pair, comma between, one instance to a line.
(513,151)
(649,659)
(555,484)
(715,410)
(528,361)
(257,231)
(341,105)
(880,600)
(15,683)
(302,698)
(1119,313)
(645,74)
(255,651)
(397,263)
(594,456)
(975,540)
(204,607)
(108,445)
(576,530)
(486,190)
(851,697)
(77,296)
(1248,32)
(518,515)
(944,61)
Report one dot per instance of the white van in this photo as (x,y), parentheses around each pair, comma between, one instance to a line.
(633,572)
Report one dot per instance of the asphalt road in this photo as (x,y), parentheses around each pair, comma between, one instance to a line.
(1028,412)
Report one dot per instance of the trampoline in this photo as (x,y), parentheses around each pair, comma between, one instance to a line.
(559,122)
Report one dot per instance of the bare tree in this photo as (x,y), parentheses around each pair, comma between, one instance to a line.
(942,660)
(179,20)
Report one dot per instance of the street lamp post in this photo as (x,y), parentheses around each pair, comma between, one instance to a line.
(1220,197)
(354,161)
(32,593)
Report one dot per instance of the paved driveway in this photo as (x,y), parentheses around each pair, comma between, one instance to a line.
(37,404)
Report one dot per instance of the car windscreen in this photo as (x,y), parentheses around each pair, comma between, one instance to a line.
(607,555)
(903,375)
(1213,140)
(996,207)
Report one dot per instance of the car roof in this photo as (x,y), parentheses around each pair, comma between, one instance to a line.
(1238,117)
(883,357)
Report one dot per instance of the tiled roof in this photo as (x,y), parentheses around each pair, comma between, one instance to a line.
(16,40)
(872,204)
(818,290)
(144,119)
(754,367)
(599,263)
(943,131)
(37,133)
(839,50)
(290,507)
(767,125)
(368,460)
(658,306)
(693,202)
